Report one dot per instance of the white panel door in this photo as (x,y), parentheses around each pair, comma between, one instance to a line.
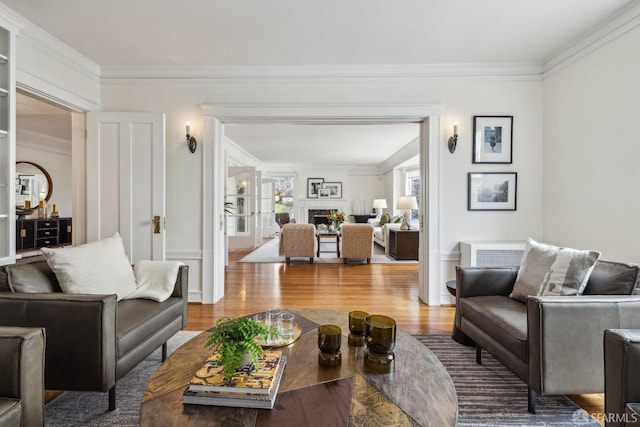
(126,181)
(241,192)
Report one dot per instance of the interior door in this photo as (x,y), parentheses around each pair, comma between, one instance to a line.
(267,208)
(241,223)
(126,181)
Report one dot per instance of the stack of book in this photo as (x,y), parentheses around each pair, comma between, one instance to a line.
(249,388)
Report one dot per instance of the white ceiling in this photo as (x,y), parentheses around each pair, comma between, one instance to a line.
(305,32)
(193,34)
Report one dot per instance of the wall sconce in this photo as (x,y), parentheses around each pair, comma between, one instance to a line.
(453,140)
(191,141)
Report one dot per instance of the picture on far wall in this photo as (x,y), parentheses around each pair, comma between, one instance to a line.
(335,189)
(492,191)
(324,193)
(313,185)
(492,139)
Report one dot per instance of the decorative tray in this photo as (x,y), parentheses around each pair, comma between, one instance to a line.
(297,331)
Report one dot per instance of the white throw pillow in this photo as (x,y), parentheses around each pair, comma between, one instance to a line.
(550,270)
(155,279)
(100,267)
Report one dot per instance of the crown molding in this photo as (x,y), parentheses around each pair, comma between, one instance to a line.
(49,45)
(611,29)
(516,70)
(38,141)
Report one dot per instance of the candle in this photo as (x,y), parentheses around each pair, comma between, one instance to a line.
(188,129)
(455,128)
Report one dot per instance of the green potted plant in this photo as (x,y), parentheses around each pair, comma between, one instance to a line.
(235,341)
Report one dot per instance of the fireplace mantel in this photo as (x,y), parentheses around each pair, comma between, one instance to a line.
(306,204)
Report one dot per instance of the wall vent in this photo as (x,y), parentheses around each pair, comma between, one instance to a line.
(491,254)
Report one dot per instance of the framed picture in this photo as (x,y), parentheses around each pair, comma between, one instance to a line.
(313,185)
(335,189)
(324,193)
(492,191)
(492,139)
(27,184)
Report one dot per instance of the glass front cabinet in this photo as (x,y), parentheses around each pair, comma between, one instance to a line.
(7,141)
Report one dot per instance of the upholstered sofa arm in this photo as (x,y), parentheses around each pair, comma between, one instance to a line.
(565,341)
(22,376)
(181,290)
(81,335)
(621,373)
(481,281)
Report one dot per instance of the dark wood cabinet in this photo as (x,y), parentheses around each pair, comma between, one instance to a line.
(38,233)
(403,244)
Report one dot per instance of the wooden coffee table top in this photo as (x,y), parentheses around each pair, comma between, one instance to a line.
(418,391)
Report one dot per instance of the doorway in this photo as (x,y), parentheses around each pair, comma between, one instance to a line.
(216,116)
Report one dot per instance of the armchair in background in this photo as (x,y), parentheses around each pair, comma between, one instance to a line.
(297,240)
(283,218)
(357,241)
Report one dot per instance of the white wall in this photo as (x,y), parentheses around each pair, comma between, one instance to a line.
(461,98)
(592,152)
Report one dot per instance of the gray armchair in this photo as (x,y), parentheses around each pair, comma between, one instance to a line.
(21,376)
(622,377)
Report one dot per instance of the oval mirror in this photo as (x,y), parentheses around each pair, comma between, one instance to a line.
(33,183)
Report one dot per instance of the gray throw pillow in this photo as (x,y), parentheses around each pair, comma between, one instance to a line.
(384,219)
(32,277)
(551,270)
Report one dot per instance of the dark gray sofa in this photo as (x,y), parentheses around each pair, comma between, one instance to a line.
(552,343)
(21,376)
(92,340)
(622,377)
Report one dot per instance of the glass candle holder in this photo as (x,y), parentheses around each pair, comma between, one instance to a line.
(380,338)
(329,340)
(357,328)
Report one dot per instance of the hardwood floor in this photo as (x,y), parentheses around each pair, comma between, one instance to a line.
(376,288)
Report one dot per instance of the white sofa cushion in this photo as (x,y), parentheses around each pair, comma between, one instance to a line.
(100,267)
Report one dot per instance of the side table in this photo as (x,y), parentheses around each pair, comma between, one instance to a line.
(403,244)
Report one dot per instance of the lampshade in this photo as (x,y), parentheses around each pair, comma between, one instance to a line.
(380,203)
(407,202)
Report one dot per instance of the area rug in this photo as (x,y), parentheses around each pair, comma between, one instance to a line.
(488,394)
(74,408)
(268,253)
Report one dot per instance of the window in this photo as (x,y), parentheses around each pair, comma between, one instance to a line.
(413,189)
(283,193)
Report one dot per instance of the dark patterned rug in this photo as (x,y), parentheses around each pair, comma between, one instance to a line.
(488,394)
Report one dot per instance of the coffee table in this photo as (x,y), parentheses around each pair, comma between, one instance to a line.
(329,234)
(418,391)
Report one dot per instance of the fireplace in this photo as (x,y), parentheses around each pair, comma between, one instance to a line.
(319,216)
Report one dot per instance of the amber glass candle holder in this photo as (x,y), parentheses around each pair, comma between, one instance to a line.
(380,338)
(329,340)
(357,328)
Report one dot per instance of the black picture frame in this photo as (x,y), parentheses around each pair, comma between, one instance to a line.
(492,139)
(313,184)
(335,189)
(492,191)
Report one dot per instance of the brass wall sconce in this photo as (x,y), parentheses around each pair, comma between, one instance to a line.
(453,140)
(191,141)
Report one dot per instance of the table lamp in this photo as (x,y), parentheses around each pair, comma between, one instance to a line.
(379,204)
(407,203)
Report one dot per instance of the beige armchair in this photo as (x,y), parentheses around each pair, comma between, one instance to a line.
(357,241)
(297,240)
